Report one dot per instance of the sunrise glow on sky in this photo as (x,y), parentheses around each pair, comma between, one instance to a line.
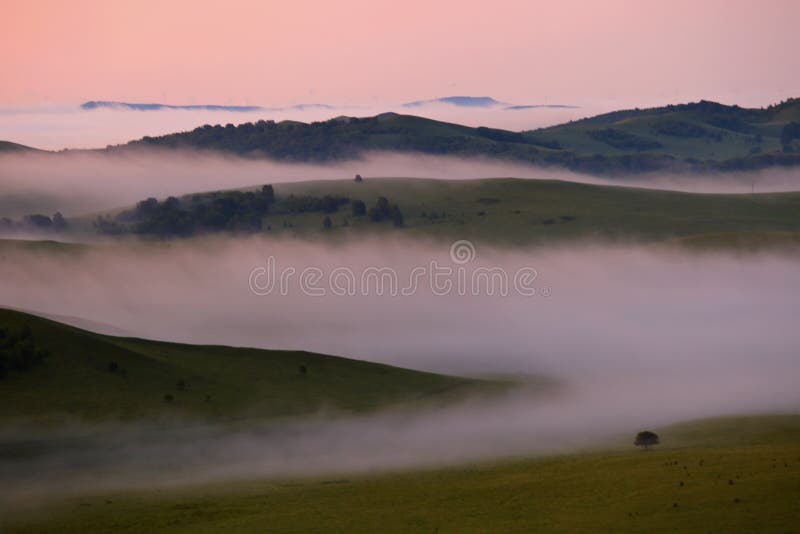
(373,52)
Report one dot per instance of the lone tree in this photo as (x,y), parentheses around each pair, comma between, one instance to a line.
(645,439)
(358,178)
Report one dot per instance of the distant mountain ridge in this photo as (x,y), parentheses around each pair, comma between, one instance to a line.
(108,104)
(474,102)
(700,136)
(461,101)
(485,102)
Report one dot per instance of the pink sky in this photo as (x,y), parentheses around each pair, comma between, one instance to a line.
(374,52)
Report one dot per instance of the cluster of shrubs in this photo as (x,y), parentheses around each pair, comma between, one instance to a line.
(235,211)
(18,350)
(180,385)
(623,140)
(201,213)
(789,133)
(35,221)
(677,128)
(383,210)
(307,203)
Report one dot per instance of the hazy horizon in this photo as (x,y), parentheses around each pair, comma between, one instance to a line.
(359,52)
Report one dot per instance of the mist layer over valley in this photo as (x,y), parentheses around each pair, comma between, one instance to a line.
(626,336)
(603,340)
(81,183)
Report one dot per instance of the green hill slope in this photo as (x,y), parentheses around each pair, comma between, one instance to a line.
(92,376)
(498,211)
(728,136)
(700,136)
(8,146)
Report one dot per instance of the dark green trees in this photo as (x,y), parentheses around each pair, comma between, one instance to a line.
(268,194)
(19,350)
(646,439)
(359,208)
(397,217)
(235,211)
(386,211)
(789,133)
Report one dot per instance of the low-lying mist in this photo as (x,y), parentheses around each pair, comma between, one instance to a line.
(86,182)
(637,337)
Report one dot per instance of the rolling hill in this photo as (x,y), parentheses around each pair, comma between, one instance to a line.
(500,211)
(696,137)
(702,136)
(8,146)
(92,376)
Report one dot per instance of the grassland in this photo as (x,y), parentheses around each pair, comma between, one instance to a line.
(96,377)
(726,475)
(514,212)
(507,211)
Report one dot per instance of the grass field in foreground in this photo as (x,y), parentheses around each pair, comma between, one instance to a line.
(725,475)
(77,380)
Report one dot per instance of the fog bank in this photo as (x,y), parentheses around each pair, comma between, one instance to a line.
(638,337)
(77,183)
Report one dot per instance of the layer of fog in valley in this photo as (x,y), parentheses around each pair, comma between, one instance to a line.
(80,183)
(635,337)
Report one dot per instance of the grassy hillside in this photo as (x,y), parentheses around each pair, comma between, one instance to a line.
(513,211)
(734,475)
(696,136)
(704,131)
(93,376)
(8,146)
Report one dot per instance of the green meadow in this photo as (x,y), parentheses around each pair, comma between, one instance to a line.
(735,474)
(93,377)
(509,212)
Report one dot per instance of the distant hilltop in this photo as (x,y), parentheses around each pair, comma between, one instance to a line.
(479,102)
(473,102)
(699,136)
(108,104)
(461,101)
